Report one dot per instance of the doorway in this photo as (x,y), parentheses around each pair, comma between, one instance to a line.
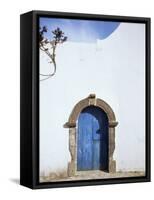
(91,126)
(92,141)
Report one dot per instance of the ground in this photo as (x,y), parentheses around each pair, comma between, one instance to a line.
(88,175)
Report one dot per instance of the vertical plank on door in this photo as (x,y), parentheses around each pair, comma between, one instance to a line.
(92,144)
(84,157)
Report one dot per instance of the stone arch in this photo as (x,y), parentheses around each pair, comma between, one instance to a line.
(71,124)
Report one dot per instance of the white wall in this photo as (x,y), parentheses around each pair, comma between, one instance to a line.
(113,69)
(9,101)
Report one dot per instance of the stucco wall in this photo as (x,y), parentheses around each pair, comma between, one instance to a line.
(113,69)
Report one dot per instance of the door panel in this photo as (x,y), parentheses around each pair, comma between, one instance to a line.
(92,144)
(85,142)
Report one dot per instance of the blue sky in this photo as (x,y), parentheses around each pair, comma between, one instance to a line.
(80,30)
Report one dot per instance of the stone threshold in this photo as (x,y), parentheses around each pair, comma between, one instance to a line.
(95,174)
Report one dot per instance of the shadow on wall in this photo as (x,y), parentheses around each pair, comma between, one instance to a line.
(56,175)
(15,180)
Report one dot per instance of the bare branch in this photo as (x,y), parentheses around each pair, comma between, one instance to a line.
(59,38)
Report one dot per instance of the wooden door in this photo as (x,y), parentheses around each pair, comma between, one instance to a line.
(92,139)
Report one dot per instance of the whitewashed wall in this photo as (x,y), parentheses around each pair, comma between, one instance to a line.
(113,69)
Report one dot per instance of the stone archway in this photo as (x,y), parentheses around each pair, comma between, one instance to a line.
(71,124)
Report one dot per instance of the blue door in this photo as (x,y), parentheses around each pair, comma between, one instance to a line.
(92,140)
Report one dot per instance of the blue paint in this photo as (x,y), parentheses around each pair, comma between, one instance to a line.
(92,140)
(79,30)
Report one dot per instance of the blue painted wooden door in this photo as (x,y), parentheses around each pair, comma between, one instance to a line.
(92,140)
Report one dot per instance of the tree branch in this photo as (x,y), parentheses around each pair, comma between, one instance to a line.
(58,39)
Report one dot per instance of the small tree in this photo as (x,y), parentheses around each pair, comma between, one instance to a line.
(44,44)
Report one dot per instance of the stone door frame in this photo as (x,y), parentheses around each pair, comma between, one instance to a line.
(73,132)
